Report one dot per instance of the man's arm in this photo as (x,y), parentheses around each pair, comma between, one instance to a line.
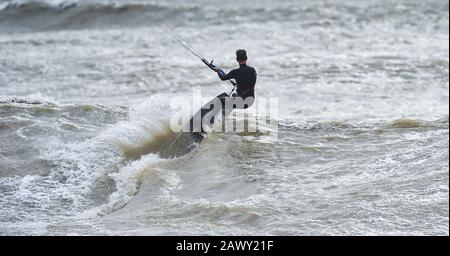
(224,76)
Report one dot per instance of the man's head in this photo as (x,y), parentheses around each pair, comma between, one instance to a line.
(241,56)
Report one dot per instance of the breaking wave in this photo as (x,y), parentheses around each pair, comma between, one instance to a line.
(35,15)
(20,16)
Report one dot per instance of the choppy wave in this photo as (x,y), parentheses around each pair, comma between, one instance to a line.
(81,165)
(403,123)
(406,123)
(36,98)
(64,166)
(38,15)
(37,7)
(100,172)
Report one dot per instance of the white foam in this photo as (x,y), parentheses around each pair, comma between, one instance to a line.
(69,189)
(145,119)
(35,98)
(127,180)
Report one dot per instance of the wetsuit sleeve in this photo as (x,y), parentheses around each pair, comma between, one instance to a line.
(224,76)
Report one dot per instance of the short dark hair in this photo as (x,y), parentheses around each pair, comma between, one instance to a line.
(241,55)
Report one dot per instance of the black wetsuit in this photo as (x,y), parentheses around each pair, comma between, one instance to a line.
(245,77)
